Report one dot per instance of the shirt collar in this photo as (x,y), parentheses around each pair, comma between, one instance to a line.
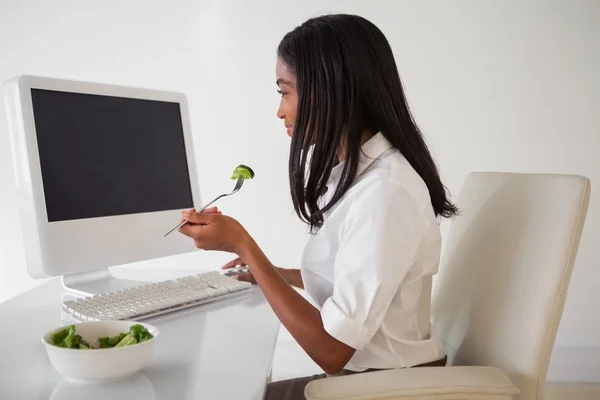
(370,151)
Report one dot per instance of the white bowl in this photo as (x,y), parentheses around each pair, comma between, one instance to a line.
(100,365)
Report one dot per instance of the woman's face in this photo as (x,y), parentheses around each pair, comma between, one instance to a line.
(286,81)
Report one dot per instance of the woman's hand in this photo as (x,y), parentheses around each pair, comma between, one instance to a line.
(244,276)
(292,276)
(214,231)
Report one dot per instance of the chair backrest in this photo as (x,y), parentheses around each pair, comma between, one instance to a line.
(507,263)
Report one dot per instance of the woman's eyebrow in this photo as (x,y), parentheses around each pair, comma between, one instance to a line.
(280,81)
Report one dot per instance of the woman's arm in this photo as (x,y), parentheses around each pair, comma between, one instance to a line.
(292,276)
(299,317)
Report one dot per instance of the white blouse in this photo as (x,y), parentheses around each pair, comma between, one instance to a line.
(369,266)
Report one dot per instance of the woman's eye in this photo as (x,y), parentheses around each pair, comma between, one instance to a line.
(282,93)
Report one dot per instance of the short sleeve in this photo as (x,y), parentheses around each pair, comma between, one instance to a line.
(380,238)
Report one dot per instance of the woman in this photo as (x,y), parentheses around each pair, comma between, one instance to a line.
(371,194)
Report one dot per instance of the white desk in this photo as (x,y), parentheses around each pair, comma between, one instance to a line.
(219,351)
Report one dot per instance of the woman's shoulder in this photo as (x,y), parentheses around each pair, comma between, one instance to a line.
(389,177)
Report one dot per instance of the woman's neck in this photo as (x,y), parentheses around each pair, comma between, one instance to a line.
(365,137)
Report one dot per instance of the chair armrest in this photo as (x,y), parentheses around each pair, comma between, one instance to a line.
(439,383)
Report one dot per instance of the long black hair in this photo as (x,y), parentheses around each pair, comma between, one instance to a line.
(347,82)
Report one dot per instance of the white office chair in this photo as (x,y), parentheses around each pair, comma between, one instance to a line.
(499,297)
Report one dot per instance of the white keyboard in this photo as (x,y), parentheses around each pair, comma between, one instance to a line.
(153,299)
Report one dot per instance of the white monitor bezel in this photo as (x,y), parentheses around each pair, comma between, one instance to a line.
(76,246)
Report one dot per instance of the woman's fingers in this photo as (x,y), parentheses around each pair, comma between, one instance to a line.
(246,277)
(199,218)
(190,210)
(234,263)
(211,210)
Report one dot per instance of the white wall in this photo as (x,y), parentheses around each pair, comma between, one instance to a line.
(510,86)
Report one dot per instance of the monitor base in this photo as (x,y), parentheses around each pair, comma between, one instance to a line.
(96,282)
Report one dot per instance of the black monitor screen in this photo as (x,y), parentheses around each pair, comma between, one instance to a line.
(104,156)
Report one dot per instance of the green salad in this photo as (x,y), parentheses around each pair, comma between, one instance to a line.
(244,171)
(68,338)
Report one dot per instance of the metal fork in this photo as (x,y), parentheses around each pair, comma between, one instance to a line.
(237,187)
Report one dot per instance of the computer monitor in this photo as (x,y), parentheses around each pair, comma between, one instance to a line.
(102,173)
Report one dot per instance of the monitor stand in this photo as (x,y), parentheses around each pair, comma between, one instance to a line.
(96,282)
